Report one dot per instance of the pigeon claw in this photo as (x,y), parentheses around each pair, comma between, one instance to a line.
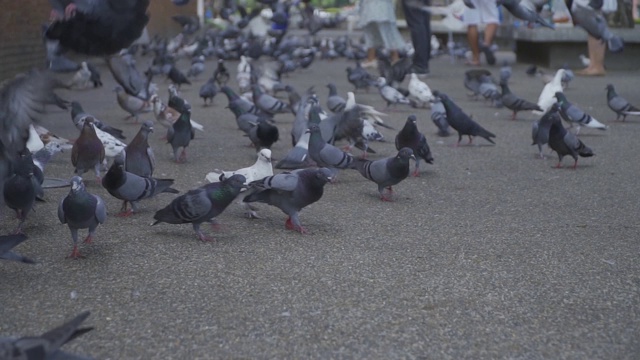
(290,226)
(88,239)
(204,238)
(416,173)
(75,254)
(125,213)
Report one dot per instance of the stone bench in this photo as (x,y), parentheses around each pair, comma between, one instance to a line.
(553,48)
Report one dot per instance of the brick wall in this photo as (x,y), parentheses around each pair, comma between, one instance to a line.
(21,46)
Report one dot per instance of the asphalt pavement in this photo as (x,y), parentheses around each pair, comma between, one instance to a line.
(490,253)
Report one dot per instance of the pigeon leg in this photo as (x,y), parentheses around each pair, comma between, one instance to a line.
(513,116)
(470,140)
(416,172)
(88,239)
(559,165)
(293,223)
(183,156)
(75,254)
(200,235)
(575,164)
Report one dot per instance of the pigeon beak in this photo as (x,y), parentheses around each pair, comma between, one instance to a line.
(413,157)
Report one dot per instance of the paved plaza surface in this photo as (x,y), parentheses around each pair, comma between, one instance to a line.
(491,253)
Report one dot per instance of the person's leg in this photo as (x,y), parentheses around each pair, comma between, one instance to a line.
(369,40)
(597,50)
(490,33)
(417,22)
(472,37)
(489,15)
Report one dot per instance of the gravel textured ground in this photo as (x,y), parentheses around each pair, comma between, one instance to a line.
(491,253)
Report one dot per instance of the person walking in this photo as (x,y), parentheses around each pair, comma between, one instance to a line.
(484,12)
(378,21)
(419,24)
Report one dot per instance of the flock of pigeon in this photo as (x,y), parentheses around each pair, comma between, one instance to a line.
(313,160)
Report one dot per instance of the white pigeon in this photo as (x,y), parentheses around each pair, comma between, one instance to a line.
(419,91)
(48,137)
(260,169)
(548,94)
(390,94)
(244,66)
(370,132)
(34,143)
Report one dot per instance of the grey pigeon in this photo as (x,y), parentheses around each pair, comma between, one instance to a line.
(335,102)
(263,135)
(132,188)
(489,90)
(97,28)
(514,103)
(565,143)
(202,204)
(390,94)
(326,155)
(179,136)
(208,91)
(77,112)
(42,157)
(197,66)
(596,25)
(410,137)
(177,77)
(505,72)
(132,104)
(472,80)
(81,210)
(298,156)
(87,152)
(129,77)
(140,159)
(360,78)
(540,128)
(8,242)
(574,115)
(461,122)
(290,192)
(620,105)
(46,346)
(439,117)
(386,172)
(268,103)
(21,189)
(237,104)
(516,9)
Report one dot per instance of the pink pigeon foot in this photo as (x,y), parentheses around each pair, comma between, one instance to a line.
(416,173)
(290,226)
(204,238)
(75,254)
(125,213)
(88,239)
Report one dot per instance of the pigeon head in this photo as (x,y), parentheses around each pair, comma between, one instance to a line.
(406,154)
(412,119)
(380,82)
(324,175)
(236,180)
(76,184)
(147,126)
(265,155)
(560,96)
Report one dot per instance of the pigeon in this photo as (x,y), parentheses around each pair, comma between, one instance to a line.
(260,169)
(439,117)
(620,105)
(512,102)
(540,129)
(419,91)
(81,210)
(88,151)
(596,25)
(360,78)
(268,103)
(298,156)
(472,79)
(326,155)
(167,115)
(573,114)
(112,146)
(140,159)
(42,157)
(263,135)
(335,103)
(548,94)
(95,75)
(179,136)
(208,91)
(290,192)
(177,77)
(202,204)
(386,172)
(175,101)
(197,66)
(97,28)
(489,90)
(131,104)
(505,72)
(21,188)
(237,103)
(584,60)
(221,74)
(565,143)
(46,346)
(81,78)
(8,242)
(77,111)
(410,137)
(390,94)
(132,188)
(568,76)
(516,9)
(461,122)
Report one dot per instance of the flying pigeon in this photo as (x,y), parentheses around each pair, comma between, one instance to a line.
(132,188)
(461,122)
(46,346)
(620,105)
(596,25)
(565,143)
(8,242)
(516,9)
(410,137)
(573,114)
(386,172)
(290,192)
(202,204)
(97,28)
(81,210)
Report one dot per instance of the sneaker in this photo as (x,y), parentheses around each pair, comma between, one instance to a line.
(418,70)
(488,54)
(371,64)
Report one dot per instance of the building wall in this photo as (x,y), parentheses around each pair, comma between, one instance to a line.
(21,46)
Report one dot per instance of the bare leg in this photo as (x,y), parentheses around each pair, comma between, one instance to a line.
(490,33)
(597,51)
(472,37)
